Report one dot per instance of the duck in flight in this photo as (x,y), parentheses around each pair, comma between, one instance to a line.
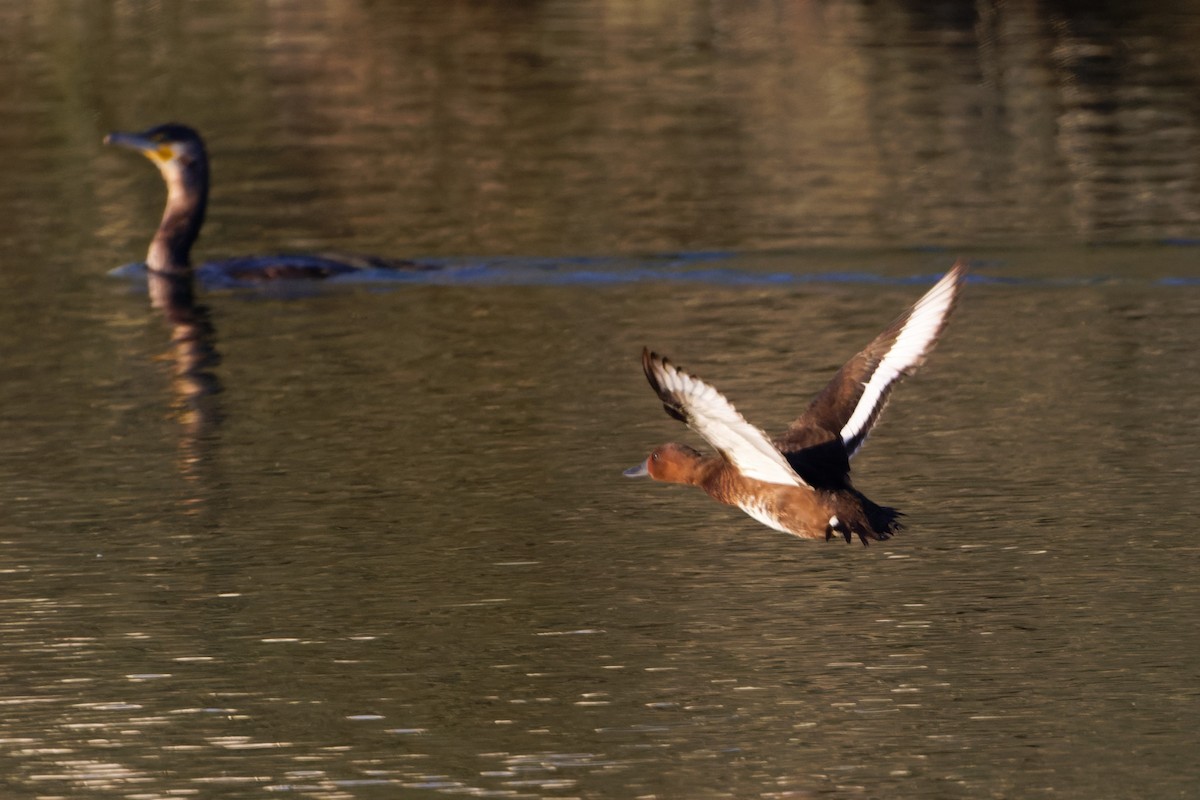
(181,158)
(799,483)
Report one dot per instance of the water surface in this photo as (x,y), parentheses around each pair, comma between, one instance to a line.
(372,540)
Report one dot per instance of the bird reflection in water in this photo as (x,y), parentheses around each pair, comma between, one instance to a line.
(195,386)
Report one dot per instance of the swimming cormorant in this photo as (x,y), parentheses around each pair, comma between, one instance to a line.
(179,153)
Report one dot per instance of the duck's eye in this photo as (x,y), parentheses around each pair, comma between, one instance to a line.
(654,456)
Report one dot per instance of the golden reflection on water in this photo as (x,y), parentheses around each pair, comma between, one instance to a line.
(599,127)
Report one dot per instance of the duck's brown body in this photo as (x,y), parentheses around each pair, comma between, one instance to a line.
(801,510)
(797,510)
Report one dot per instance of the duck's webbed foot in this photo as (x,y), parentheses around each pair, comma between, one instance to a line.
(879,536)
(836,525)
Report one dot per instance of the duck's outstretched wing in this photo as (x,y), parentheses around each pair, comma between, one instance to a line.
(706,411)
(846,409)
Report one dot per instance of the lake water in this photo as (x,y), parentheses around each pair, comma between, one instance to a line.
(371,540)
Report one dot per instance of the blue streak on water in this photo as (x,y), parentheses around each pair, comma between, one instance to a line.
(684,268)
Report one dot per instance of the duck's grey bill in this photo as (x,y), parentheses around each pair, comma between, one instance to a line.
(640,471)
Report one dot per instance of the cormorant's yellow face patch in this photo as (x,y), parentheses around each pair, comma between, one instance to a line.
(163,153)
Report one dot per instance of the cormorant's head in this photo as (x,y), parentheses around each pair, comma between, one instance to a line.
(177,151)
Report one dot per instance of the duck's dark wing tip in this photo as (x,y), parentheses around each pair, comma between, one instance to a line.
(958,271)
(648,359)
(655,367)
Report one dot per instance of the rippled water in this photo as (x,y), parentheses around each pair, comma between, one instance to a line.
(372,540)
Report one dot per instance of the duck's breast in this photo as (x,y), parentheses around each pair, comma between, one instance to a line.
(789,509)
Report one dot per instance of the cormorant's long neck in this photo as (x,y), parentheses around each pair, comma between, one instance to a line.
(187,197)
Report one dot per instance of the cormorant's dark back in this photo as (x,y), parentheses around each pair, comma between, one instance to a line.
(181,158)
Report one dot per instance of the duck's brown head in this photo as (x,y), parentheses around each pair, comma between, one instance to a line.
(671,463)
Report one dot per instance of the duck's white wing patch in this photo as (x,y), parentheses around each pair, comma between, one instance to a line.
(918,332)
(761,513)
(706,411)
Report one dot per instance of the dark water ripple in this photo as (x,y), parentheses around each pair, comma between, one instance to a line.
(672,268)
